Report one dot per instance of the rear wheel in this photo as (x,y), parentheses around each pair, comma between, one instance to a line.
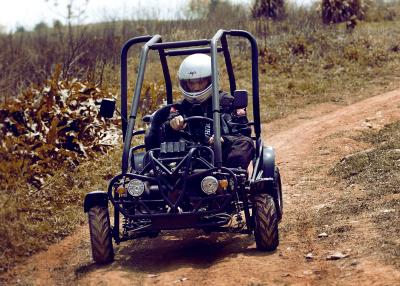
(100,235)
(265,223)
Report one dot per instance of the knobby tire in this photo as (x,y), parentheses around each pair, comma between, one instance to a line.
(265,223)
(100,235)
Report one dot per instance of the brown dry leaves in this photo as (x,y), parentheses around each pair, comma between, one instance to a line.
(52,125)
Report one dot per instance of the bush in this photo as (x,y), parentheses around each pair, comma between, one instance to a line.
(349,11)
(269,9)
(50,139)
(49,126)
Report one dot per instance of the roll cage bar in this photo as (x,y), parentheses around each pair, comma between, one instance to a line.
(180,48)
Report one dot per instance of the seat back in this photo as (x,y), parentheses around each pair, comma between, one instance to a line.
(152,138)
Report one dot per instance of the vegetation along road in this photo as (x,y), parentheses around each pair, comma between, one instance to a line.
(334,232)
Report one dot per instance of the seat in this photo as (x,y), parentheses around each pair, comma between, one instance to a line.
(152,137)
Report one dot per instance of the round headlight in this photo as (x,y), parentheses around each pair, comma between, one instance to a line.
(209,185)
(135,187)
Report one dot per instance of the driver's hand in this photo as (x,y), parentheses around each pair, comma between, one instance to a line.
(211,140)
(177,123)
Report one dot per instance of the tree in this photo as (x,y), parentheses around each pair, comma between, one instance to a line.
(269,9)
(197,9)
(264,11)
(20,29)
(2,29)
(202,9)
(338,11)
(75,38)
(41,26)
(57,24)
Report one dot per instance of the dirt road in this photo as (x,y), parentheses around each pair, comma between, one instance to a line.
(308,144)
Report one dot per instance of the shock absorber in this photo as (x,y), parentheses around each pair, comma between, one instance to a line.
(125,224)
(239,208)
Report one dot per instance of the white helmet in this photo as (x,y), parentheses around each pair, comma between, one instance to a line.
(194,76)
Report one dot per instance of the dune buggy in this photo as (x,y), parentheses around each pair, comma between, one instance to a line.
(184,184)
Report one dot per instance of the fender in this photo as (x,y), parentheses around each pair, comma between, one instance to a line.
(270,178)
(95,198)
(268,162)
(264,181)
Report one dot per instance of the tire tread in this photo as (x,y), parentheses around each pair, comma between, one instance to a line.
(100,235)
(266,223)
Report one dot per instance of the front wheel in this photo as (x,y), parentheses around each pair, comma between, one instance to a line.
(278,192)
(265,223)
(100,235)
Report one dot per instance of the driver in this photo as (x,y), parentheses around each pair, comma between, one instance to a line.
(195,83)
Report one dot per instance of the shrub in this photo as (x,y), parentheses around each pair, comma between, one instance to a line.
(49,126)
(269,9)
(349,11)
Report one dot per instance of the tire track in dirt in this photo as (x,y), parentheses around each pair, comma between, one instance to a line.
(307,146)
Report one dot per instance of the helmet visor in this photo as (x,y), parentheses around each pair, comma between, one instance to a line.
(195,85)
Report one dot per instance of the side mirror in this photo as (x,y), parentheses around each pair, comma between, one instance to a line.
(240,99)
(147,118)
(107,107)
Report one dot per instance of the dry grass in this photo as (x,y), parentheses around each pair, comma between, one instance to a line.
(45,136)
(314,65)
(377,171)
(32,219)
(303,60)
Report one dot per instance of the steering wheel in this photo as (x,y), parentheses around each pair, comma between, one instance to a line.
(189,136)
(198,118)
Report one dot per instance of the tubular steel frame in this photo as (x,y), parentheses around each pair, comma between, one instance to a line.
(192,218)
(164,50)
(180,48)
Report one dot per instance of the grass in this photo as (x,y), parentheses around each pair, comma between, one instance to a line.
(329,66)
(377,171)
(33,219)
(323,64)
(378,167)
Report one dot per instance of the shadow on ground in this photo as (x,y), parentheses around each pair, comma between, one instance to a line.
(173,250)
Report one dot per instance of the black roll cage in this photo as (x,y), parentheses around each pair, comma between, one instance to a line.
(180,48)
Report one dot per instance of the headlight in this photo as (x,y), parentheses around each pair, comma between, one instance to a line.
(209,185)
(135,188)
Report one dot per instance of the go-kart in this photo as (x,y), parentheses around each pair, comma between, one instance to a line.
(184,184)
